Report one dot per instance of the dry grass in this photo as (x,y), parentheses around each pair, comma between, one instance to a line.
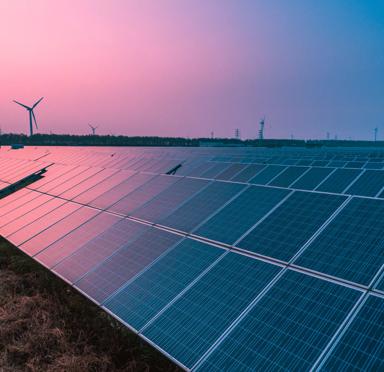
(47,326)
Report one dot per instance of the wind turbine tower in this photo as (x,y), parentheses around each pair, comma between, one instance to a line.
(261,130)
(376,130)
(31,114)
(93,129)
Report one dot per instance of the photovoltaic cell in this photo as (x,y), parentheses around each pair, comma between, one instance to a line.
(142,194)
(35,226)
(194,322)
(268,173)
(374,166)
(102,187)
(249,172)
(231,171)
(95,251)
(369,184)
(320,163)
(30,216)
(143,298)
(61,249)
(361,348)
(36,201)
(126,263)
(288,227)
(217,169)
(231,222)
(58,230)
(87,184)
(287,328)
(312,178)
(339,180)
(201,169)
(355,164)
(113,195)
(288,176)
(167,201)
(352,245)
(202,205)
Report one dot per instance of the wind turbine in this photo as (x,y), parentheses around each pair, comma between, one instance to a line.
(31,114)
(93,129)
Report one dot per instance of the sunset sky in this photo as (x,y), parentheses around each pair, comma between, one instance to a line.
(189,67)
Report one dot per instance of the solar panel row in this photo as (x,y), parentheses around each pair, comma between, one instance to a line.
(270,277)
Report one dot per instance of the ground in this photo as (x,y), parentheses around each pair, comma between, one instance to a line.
(45,325)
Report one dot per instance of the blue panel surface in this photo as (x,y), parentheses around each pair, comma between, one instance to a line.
(202,205)
(312,178)
(168,200)
(189,326)
(142,299)
(267,174)
(287,329)
(289,226)
(242,213)
(352,245)
(369,184)
(249,172)
(361,348)
(339,180)
(95,251)
(125,263)
(287,177)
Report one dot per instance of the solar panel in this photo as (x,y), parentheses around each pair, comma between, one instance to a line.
(202,205)
(370,183)
(87,184)
(287,328)
(231,222)
(96,250)
(99,189)
(231,171)
(361,347)
(267,174)
(115,194)
(55,213)
(143,193)
(289,226)
(219,273)
(288,176)
(189,326)
(215,170)
(247,173)
(167,201)
(125,263)
(58,230)
(40,206)
(139,301)
(311,179)
(73,241)
(352,245)
(339,180)
(320,163)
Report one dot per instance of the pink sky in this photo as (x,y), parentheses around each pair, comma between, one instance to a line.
(178,67)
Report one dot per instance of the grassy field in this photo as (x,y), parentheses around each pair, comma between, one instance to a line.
(45,325)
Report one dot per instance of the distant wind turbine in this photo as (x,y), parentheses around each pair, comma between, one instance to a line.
(31,114)
(93,129)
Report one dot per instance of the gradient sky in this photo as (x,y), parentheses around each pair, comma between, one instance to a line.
(189,67)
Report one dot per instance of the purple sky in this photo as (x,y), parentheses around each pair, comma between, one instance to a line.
(186,68)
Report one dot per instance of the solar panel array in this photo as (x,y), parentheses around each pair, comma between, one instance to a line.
(241,259)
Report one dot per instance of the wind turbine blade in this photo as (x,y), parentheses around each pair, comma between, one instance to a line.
(28,108)
(37,103)
(34,119)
